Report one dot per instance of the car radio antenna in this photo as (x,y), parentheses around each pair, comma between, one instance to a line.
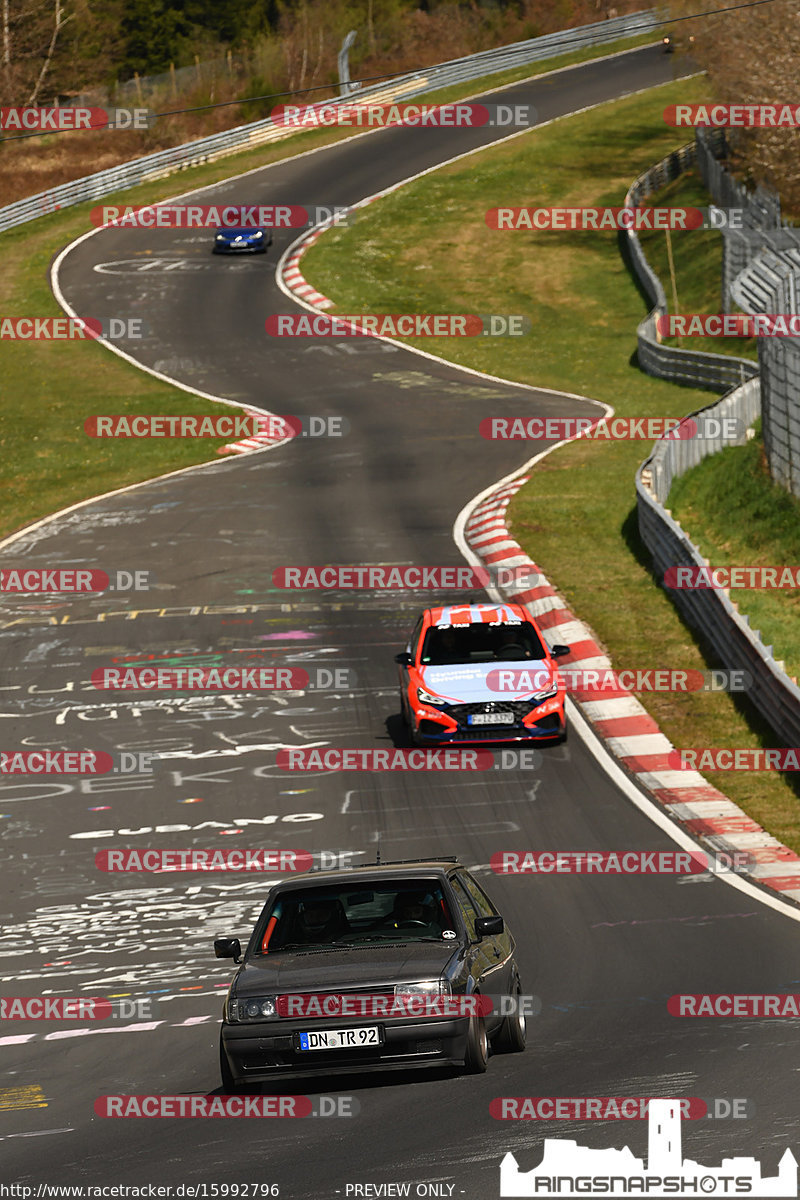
(378,851)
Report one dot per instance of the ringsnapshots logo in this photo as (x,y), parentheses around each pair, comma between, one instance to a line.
(598,220)
(218,216)
(71,580)
(398,325)
(424,116)
(55,120)
(570,1170)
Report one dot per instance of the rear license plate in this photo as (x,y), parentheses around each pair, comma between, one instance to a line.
(491,719)
(339,1039)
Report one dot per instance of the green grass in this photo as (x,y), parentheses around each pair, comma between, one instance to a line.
(697,259)
(739,516)
(47,389)
(426,248)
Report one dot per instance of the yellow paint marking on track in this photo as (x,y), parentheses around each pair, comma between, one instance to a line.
(30,1096)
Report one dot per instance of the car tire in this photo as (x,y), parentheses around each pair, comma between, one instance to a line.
(476,1057)
(230,1085)
(511,1036)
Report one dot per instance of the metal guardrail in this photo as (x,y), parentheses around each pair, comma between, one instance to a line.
(711,610)
(245,137)
(695,368)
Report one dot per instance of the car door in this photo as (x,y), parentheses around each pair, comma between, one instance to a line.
(498,948)
(481,962)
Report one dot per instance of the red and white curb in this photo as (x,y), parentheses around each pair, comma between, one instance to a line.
(259,441)
(626,728)
(293,277)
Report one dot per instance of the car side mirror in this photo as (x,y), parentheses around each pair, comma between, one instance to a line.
(227,947)
(485,926)
(560,651)
(404,659)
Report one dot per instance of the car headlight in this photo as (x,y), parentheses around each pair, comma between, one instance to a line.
(426,698)
(429,987)
(545,695)
(220,237)
(254,1008)
(258,233)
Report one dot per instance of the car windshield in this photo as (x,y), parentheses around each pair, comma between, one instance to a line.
(356,914)
(448,644)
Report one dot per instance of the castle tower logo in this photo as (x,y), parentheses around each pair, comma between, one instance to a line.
(568,1169)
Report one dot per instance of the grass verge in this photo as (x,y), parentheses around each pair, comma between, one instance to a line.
(426,249)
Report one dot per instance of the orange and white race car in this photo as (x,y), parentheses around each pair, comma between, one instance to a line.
(481,673)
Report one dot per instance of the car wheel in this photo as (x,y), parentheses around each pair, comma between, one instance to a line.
(477,1052)
(511,1036)
(229,1083)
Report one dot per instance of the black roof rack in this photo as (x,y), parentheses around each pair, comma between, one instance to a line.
(399,862)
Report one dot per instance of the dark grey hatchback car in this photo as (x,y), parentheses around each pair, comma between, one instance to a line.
(369,969)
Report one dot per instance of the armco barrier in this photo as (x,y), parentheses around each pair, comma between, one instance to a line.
(695,368)
(711,610)
(245,137)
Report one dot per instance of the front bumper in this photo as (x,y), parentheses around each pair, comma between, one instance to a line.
(258,1053)
(432,732)
(242,248)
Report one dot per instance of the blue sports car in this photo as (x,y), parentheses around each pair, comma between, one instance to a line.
(242,241)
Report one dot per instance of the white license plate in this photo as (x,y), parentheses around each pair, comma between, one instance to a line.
(340,1039)
(491,719)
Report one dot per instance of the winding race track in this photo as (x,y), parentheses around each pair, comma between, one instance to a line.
(602,954)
